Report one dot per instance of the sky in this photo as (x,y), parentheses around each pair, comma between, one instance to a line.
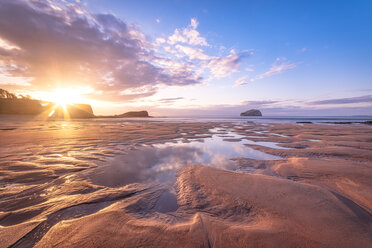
(179,58)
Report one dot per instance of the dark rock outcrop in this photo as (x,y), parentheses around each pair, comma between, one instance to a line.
(14,106)
(131,114)
(251,112)
(135,114)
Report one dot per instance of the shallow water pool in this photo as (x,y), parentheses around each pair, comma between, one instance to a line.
(161,162)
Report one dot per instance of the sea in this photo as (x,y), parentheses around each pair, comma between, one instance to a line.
(271,119)
(7,121)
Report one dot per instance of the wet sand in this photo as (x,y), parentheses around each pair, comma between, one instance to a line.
(122,183)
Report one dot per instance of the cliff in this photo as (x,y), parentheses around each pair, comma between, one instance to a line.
(10,104)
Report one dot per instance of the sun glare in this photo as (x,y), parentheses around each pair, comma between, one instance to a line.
(64,97)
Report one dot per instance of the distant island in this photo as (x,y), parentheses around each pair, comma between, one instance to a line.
(251,112)
(11,104)
(131,114)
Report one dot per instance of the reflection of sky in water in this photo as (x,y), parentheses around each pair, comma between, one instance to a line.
(160,162)
(280,135)
(266,144)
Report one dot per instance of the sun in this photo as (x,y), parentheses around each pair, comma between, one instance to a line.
(65,96)
(62,98)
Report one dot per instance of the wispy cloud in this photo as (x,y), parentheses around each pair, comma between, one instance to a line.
(170,99)
(278,67)
(260,103)
(349,100)
(224,66)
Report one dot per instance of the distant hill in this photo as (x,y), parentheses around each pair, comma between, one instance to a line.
(131,114)
(134,114)
(11,104)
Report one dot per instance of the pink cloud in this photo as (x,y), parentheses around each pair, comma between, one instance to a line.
(188,35)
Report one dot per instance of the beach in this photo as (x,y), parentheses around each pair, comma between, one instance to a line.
(151,183)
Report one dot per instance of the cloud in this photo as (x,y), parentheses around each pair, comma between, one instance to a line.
(261,103)
(170,100)
(188,35)
(219,67)
(186,46)
(53,44)
(241,81)
(63,45)
(192,53)
(225,66)
(160,40)
(278,67)
(350,100)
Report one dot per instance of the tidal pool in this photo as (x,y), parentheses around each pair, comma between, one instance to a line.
(160,162)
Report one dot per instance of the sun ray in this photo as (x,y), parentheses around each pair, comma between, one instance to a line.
(60,101)
(51,113)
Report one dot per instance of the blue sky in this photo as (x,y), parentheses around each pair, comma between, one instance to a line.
(219,57)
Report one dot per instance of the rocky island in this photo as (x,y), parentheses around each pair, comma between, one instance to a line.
(251,112)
